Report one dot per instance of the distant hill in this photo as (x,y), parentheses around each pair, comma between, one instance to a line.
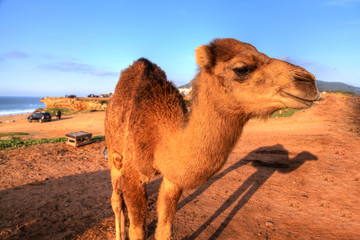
(185,86)
(323,86)
(337,87)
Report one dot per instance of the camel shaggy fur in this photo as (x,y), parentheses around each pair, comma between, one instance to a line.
(149,130)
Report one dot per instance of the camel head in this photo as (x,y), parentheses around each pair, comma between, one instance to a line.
(242,79)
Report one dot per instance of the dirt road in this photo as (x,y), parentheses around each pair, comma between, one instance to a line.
(287,178)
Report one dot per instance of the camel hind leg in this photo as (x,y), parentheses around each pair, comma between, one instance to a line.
(135,197)
(128,191)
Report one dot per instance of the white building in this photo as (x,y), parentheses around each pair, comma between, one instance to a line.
(185,91)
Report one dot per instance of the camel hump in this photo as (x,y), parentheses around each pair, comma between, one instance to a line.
(141,72)
(142,65)
(147,63)
(150,71)
(154,93)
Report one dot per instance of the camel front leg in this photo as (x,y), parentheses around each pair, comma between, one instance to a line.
(169,195)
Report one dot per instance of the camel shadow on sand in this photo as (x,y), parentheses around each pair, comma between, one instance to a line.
(267,160)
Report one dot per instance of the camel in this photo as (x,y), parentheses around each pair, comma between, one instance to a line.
(149,130)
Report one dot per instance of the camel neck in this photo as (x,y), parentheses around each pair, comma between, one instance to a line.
(189,156)
(212,129)
(204,145)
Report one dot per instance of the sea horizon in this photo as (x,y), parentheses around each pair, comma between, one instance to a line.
(13,105)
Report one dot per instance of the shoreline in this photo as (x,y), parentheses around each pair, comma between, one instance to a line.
(13,117)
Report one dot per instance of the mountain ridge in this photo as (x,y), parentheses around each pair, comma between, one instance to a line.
(322,86)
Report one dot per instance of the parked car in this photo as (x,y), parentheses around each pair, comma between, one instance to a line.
(40,116)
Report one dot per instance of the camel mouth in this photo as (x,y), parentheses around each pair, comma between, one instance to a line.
(305,101)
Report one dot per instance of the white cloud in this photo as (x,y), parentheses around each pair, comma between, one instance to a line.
(106,73)
(73,66)
(68,67)
(287,59)
(16,54)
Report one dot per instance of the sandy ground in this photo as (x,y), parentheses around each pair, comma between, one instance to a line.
(287,178)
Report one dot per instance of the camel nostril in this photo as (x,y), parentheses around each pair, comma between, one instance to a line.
(303,77)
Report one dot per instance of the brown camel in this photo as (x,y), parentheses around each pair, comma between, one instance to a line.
(149,130)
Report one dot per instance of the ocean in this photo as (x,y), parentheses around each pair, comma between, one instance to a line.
(19,105)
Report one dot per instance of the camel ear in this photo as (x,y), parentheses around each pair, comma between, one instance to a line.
(203,56)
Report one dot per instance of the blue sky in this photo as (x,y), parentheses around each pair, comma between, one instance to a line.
(53,48)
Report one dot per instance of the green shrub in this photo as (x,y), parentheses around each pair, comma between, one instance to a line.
(287,112)
(349,94)
(98,137)
(39,110)
(16,142)
(64,111)
(103,102)
(13,134)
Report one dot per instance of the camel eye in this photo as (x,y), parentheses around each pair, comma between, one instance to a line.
(242,71)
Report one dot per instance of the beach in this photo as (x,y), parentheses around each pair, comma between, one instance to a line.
(9,118)
(287,178)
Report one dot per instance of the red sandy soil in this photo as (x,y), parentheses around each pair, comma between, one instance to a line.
(89,122)
(287,178)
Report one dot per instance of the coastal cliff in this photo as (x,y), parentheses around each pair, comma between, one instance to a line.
(76,104)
